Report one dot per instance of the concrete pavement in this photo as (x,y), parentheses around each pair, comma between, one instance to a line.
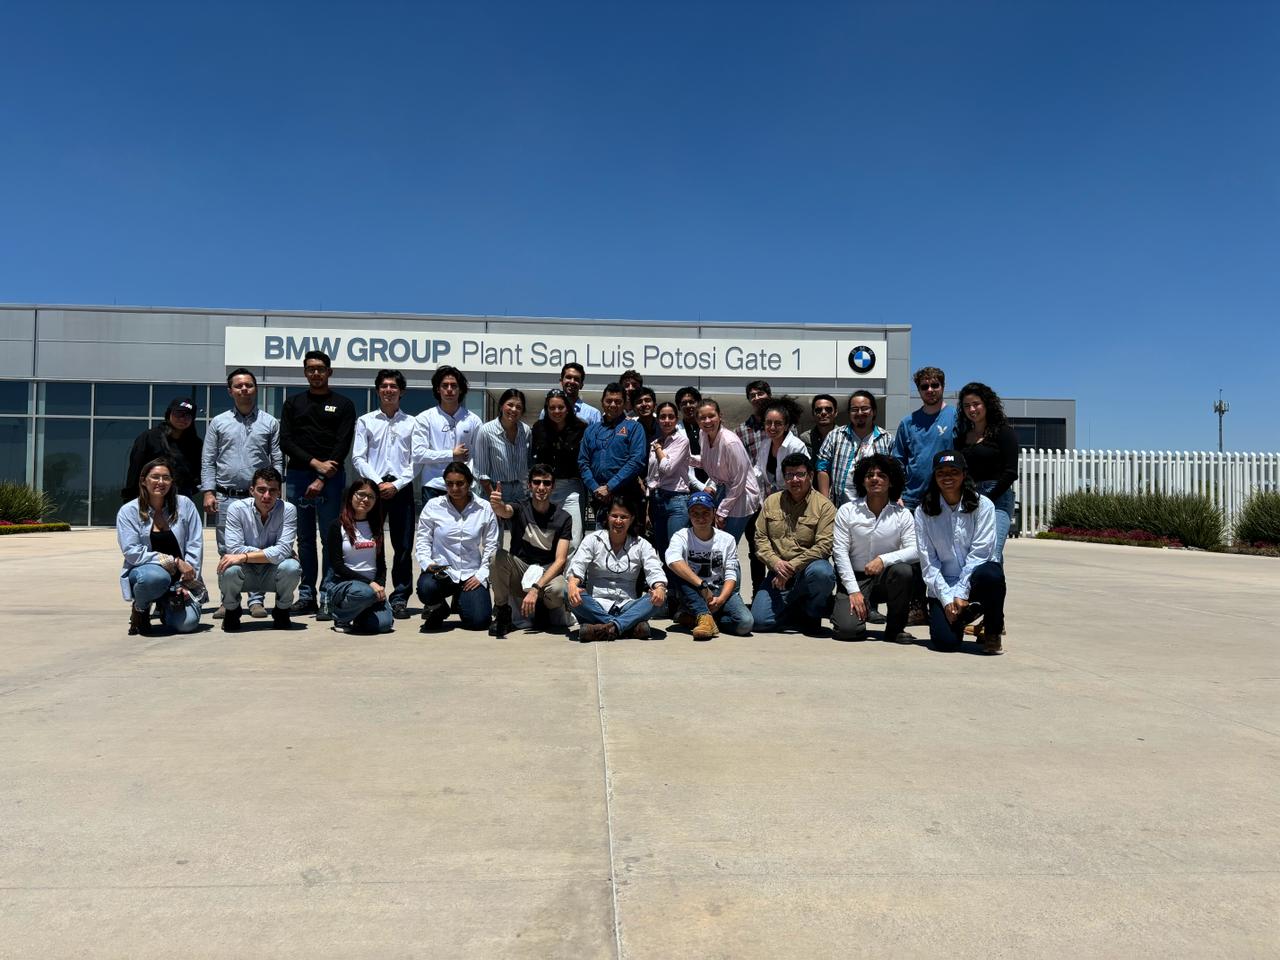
(1106,789)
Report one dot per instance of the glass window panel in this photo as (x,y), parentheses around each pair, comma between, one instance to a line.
(13,449)
(357,396)
(70,399)
(219,400)
(417,399)
(13,396)
(65,468)
(122,400)
(112,441)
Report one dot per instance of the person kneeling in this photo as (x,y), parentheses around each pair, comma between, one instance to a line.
(875,552)
(356,584)
(533,569)
(956,531)
(162,540)
(457,540)
(611,562)
(260,530)
(793,538)
(705,562)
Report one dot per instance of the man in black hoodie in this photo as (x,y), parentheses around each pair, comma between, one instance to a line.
(177,441)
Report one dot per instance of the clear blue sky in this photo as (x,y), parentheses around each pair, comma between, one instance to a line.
(1064,199)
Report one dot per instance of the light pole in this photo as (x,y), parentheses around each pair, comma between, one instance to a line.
(1220,408)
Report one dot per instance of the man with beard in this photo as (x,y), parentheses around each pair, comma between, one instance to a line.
(845,446)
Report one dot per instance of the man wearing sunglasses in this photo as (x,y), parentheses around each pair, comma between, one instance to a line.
(924,434)
(530,574)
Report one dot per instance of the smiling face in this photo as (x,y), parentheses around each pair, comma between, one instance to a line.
(619,521)
(540,486)
(317,375)
(974,408)
(389,394)
(950,480)
(775,425)
(709,419)
(701,518)
(645,405)
(689,407)
(156,483)
(667,421)
(571,383)
(824,414)
(862,415)
(458,488)
(612,404)
(799,482)
(557,410)
(512,411)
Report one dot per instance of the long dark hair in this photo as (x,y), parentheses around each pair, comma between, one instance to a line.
(932,499)
(571,418)
(996,420)
(348,516)
(170,498)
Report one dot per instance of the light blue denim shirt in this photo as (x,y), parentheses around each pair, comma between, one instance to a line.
(952,545)
(133,533)
(246,531)
(238,445)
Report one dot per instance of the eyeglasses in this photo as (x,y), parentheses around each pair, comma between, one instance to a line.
(795,476)
(362,495)
(542,483)
(931,385)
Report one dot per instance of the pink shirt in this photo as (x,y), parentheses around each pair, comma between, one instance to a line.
(727,464)
(672,474)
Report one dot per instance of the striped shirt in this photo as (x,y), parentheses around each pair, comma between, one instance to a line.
(841,452)
(497,458)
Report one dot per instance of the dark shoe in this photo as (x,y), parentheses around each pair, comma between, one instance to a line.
(220,612)
(231,622)
(323,613)
(304,607)
(501,622)
(257,611)
(593,632)
(434,614)
(686,617)
(280,619)
(875,616)
(400,610)
(140,622)
(640,631)
(990,642)
(918,617)
(971,613)
(901,637)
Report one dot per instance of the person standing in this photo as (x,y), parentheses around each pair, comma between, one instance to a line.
(845,447)
(532,571)
(572,378)
(704,566)
(924,434)
(240,441)
(174,440)
(956,532)
(383,454)
(646,401)
(687,399)
(613,456)
(875,553)
(458,537)
(446,432)
(502,449)
(751,430)
(555,440)
(630,381)
(823,409)
(990,448)
(316,432)
(667,478)
(794,537)
(259,557)
(731,473)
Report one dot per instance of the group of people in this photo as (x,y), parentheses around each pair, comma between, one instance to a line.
(593,521)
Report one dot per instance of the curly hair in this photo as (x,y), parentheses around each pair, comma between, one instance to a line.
(887,465)
(996,420)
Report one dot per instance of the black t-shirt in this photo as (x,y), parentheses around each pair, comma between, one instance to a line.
(993,461)
(534,536)
(163,541)
(316,426)
(558,449)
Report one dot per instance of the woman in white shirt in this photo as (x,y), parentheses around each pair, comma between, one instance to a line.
(875,552)
(457,539)
(357,585)
(778,441)
(956,533)
(604,575)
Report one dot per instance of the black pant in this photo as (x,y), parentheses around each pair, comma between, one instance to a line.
(401,522)
(986,586)
(892,586)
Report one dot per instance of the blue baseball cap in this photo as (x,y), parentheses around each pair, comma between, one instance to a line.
(701,499)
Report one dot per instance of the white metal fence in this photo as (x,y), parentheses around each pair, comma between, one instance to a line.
(1227,479)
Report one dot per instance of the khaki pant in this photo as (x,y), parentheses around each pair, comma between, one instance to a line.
(505,576)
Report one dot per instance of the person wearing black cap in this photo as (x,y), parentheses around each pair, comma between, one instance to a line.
(956,534)
(174,440)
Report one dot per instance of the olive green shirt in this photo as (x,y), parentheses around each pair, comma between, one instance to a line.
(797,532)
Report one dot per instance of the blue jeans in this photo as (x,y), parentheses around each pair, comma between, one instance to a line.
(737,526)
(257,579)
(150,582)
(668,512)
(315,515)
(631,612)
(571,496)
(354,604)
(474,606)
(1004,515)
(986,586)
(806,602)
(734,617)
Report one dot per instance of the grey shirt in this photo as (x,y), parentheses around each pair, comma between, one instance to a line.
(246,530)
(236,446)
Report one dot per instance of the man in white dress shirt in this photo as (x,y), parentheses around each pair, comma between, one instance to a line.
(875,550)
(457,541)
(446,432)
(383,453)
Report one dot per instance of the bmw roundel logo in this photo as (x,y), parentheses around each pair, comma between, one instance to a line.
(862,359)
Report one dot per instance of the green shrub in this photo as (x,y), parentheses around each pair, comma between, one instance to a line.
(1260,520)
(55,527)
(1189,519)
(20,503)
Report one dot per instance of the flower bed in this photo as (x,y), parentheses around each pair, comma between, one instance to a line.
(1127,538)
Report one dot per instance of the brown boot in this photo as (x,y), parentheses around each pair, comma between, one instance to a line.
(706,627)
(140,622)
(640,631)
